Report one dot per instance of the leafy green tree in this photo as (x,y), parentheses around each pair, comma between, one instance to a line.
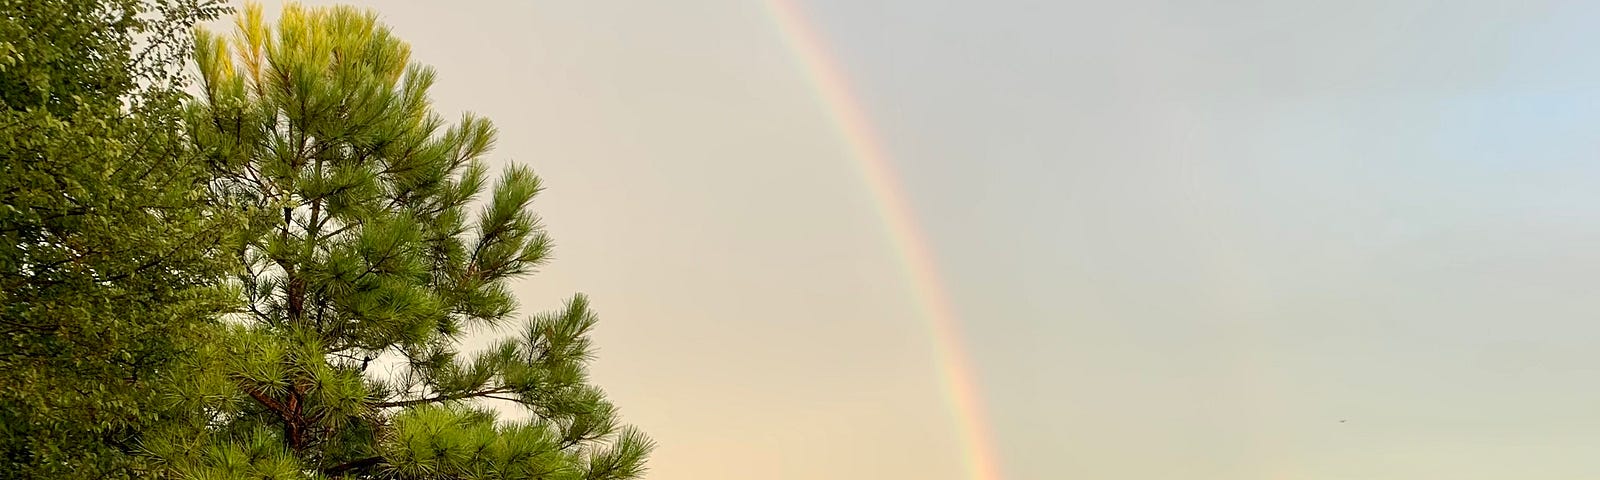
(367,256)
(108,251)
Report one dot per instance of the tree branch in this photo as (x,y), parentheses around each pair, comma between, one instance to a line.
(508,399)
(269,402)
(440,398)
(339,469)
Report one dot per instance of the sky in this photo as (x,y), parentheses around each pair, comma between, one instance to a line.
(1198,240)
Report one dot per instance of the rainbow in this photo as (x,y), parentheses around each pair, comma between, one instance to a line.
(982,463)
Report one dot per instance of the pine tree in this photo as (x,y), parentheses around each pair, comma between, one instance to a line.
(368,244)
(107,245)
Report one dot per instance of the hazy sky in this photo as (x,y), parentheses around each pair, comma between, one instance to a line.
(1188,240)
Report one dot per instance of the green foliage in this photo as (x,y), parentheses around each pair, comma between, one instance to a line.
(108,249)
(368,242)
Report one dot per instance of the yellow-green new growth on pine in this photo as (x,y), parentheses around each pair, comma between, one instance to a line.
(374,238)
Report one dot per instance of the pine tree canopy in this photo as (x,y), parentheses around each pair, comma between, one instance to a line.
(376,238)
